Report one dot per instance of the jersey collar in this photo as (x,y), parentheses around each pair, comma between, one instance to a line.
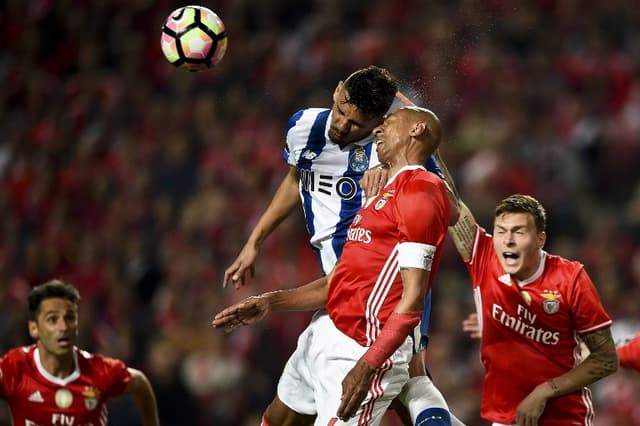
(538,273)
(404,169)
(50,377)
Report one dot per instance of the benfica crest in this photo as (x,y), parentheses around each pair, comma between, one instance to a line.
(551,304)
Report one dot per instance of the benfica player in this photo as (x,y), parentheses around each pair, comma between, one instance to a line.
(53,382)
(629,353)
(534,309)
(351,363)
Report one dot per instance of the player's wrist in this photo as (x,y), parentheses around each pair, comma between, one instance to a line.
(394,332)
(552,389)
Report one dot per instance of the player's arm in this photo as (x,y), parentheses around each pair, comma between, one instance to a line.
(142,394)
(282,204)
(629,354)
(601,362)
(308,297)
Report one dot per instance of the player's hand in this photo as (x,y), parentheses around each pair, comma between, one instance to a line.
(355,387)
(471,326)
(373,181)
(531,408)
(247,312)
(242,268)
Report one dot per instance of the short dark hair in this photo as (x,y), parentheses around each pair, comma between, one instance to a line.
(54,289)
(372,90)
(524,204)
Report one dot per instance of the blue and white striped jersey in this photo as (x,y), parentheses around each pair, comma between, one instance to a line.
(329,175)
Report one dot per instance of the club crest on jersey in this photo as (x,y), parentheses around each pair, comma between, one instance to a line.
(91,395)
(551,304)
(358,160)
(383,199)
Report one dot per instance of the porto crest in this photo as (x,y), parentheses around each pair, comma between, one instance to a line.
(358,160)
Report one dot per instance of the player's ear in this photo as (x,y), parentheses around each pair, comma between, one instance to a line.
(33,329)
(337,91)
(542,238)
(418,128)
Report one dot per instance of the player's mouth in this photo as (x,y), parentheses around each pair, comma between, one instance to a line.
(64,342)
(337,137)
(510,258)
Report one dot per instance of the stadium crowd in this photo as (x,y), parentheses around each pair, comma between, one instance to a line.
(139,182)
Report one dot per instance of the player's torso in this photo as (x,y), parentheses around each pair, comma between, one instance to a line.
(39,399)
(528,337)
(367,280)
(329,174)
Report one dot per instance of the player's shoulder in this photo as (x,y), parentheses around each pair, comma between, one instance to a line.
(561,264)
(19,354)
(306,117)
(98,361)
(419,177)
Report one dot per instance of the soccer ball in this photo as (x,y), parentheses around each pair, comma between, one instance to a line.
(193,38)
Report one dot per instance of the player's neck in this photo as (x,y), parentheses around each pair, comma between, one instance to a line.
(59,366)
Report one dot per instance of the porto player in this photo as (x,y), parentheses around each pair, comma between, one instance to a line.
(351,363)
(53,382)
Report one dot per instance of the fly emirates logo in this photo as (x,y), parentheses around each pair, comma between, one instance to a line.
(524,323)
(362,235)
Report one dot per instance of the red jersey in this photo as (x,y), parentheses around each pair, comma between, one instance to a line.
(366,284)
(629,354)
(531,332)
(37,398)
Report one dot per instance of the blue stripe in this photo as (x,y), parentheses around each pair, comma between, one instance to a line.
(433,167)
(315,143)
(424,322)
(292,122)
(349,208)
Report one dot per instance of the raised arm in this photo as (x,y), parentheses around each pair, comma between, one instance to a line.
(142,393)
(282,204)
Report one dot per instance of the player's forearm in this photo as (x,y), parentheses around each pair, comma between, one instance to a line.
(142,393)
(284,201)
(308,297)
(601,362)
(414,283)
(463,232)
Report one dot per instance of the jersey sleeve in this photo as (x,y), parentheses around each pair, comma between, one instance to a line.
(589,314)
(481,252)
(288,146)
(629,354)
(113,374)
(423,212)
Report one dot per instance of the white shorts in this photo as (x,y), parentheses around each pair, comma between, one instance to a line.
(311,382)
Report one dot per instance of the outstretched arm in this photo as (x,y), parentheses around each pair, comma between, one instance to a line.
(281,206)
(308,297)
(142,393)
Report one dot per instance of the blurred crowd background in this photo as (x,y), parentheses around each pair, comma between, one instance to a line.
(139,182)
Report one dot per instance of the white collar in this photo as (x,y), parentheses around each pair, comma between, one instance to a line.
(538,273)
(50,377)
(404,169)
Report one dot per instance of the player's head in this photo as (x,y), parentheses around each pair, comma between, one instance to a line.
(360,102)
(53,316)
(519,233)
(408,136)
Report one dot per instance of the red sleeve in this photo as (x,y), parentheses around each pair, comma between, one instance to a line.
(423,211)
(480,255)
(113,374)
(589,314)
(629,354)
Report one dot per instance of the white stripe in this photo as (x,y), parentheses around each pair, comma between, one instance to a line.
(586,397)
(378,294)
(595,327)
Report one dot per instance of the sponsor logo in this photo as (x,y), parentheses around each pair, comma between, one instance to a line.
(361,235)
(35,397)
(358,160)
(524,324)
(309,155)
(344,186)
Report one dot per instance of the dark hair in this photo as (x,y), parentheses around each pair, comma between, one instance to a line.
(524,204)
(54,289)
(371,89)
